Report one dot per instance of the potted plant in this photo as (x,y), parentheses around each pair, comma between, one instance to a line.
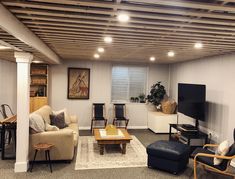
(142,98)
(157,94)
(136,99)
(132,99)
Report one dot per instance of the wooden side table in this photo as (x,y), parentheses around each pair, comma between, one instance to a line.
(44,147)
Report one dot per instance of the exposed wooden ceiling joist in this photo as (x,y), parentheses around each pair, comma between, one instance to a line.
(13,26)
(227,20)
(106,8)
(74,29)
(16,45)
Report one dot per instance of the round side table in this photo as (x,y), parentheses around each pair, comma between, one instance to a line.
(42,147)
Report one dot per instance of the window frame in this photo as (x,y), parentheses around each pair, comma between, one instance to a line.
(128,65)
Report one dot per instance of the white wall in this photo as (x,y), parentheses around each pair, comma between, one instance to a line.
(8,84)
(217,73)
(100,91)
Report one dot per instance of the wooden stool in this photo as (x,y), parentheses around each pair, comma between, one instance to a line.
(45,147)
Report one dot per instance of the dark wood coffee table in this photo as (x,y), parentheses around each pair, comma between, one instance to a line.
(102,141)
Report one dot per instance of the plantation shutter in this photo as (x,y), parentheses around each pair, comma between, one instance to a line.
(127,82)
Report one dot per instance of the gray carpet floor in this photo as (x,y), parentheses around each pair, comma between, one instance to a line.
(66,170)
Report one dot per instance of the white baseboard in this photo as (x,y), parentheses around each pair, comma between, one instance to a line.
(84,128)
(21,167)
(137,127)
(129,127)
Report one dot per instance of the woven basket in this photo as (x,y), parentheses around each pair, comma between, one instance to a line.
(168,107)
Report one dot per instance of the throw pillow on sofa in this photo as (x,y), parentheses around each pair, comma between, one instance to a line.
(66,115)
(58,120)
(36,122)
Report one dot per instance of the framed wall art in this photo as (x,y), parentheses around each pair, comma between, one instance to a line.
(78,83)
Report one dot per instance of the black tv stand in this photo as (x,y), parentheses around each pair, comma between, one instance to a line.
(188,127)
(192,137)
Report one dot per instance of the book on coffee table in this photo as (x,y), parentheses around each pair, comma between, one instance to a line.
(103,134)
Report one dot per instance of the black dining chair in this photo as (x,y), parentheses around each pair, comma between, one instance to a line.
(98,116)
(119,112)
(6,111)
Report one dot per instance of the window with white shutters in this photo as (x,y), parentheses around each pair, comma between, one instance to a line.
(127,82)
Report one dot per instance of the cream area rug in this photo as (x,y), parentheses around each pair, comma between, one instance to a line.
(88,155)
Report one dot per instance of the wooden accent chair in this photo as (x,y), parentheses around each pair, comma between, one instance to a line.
(205,157)
(98,116)
(119,113)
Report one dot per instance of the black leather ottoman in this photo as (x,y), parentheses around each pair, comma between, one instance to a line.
(168,155)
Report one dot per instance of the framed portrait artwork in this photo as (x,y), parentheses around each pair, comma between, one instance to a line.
(78,83)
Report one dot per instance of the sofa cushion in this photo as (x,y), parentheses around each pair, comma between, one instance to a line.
(49,127)
(168,149)
(36,122)
(45,112)
(73,127)
(66,115)
(58,120)
(74,119)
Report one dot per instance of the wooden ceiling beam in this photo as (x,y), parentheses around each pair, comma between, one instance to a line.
(135,23)
(129,38)
(163,43)
(101,8)
(135,28)
(227,21)
(188,4)
(203,36)
(13,26)
(171,3)
(94,33)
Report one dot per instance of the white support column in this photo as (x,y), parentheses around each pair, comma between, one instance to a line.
(23,60)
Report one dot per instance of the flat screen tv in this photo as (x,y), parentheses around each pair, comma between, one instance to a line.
(192,100)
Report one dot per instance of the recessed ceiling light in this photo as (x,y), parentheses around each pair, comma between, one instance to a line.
(171,54)
(198,45)
(108,39)
(4,47)
(96,56)
(123,17)
(152,59)
(100,49)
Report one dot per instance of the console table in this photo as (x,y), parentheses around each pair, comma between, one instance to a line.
(192,138)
